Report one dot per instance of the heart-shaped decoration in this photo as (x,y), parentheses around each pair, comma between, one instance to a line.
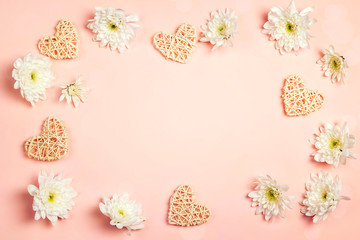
(298,100)
(184,210)
(51,145)
(177,47)
(64,44)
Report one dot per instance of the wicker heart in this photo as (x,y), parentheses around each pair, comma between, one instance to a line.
(64,44)
(184,211)
(51,145)
(298,100)
(177,47)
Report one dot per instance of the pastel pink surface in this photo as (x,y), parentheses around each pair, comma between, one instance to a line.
(150,124)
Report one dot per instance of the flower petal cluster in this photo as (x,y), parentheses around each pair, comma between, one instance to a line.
(53,198)
(73,92)
(32,76)
(220,29)
(333,144)
(123,212)
(289,28)
(322,196)
(333,65)
(270,198)
(113,28)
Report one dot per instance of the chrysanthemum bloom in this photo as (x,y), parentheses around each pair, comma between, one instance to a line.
(123,212)
(289,28)
(53,198)
(112,28)
(73,92)
(270,198)
(32,75)
(333,65)
(220,29)
(333,144)
(322,196)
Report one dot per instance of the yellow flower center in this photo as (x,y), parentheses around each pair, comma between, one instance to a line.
(113,26)
(324,196)
(335,143)
(272,194)
(335,63)
(290,27)
(221,29)
(33,76)
(72,89)
(51,197)
(121,212)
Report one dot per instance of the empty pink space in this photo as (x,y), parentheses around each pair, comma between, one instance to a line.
(150,124)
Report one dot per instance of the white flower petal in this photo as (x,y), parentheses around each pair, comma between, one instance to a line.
(37,216)
(62,97)
(32,190)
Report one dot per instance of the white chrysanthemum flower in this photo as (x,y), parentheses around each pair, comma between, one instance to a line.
(322,196)
(123,212)
(333,65)
(53,198)
(333,144)
(73,92)
(289,28)
(32,75)
(112,28)
(220,29)
(269,198)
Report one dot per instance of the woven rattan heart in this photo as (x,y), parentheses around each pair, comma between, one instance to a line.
(177,47)
(298,100)
(64,44)
(51,145)
(184,211)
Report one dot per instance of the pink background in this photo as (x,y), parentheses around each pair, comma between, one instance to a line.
(150,124)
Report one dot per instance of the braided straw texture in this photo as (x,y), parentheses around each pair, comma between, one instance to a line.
(177,47)
(51,145)
(184,211)
(298,100)
(64,44)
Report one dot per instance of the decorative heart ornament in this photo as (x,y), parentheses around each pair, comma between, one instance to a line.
(64,44)
(51,145)
(298,100)
(177,47)
(184,211)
